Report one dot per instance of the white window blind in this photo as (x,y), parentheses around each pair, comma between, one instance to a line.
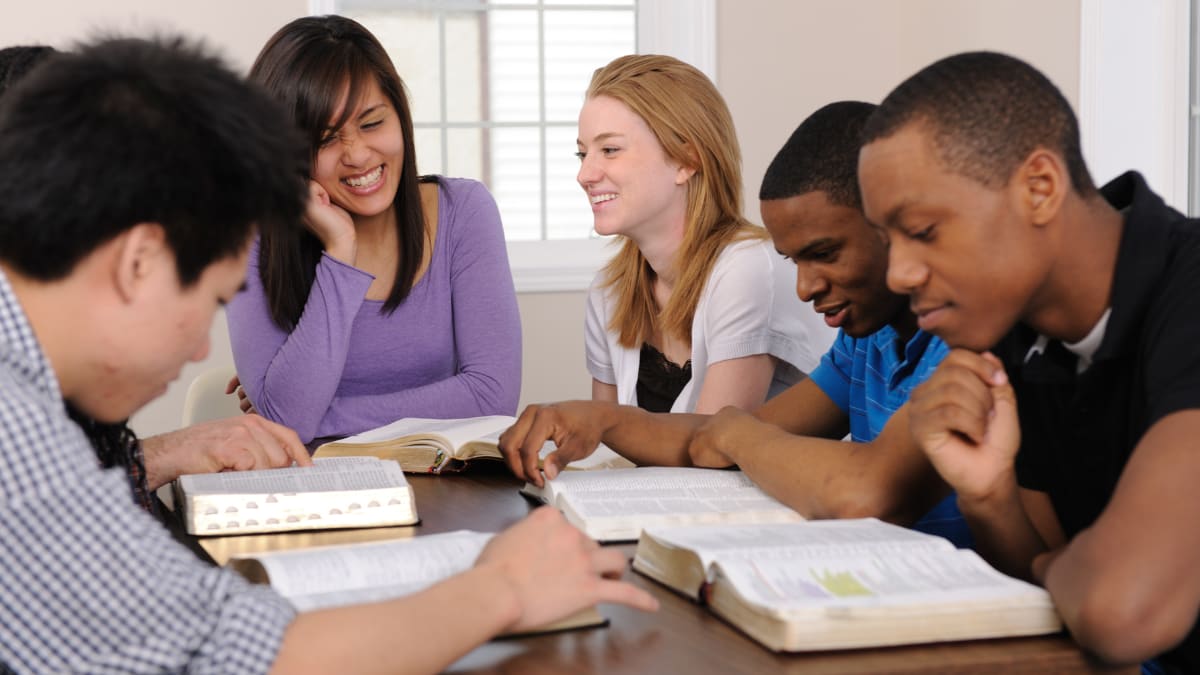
(495,89)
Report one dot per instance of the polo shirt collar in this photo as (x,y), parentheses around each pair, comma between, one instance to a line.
(1141,258)
(895,369)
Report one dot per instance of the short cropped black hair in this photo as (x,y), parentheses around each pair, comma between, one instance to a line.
(16,62)
(987,112)
(821,155)
(128,131)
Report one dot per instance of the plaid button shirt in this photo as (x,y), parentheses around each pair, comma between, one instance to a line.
(89,582)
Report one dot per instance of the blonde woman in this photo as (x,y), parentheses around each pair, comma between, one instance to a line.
(696,311)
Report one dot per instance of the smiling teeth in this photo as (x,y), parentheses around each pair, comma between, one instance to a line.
(366,179)
(596,199)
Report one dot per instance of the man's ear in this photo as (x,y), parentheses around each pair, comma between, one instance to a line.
(1043,183)
(139,252)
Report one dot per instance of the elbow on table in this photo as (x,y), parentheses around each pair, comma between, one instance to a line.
(1121,625)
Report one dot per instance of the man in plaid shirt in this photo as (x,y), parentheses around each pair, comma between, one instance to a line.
(132,177)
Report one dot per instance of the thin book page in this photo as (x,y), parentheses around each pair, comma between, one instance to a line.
(456,432)
(917,580)
(648,479)
(343,575)
(335,474)
(816,539)
(661,491)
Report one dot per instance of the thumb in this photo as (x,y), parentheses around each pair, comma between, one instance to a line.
(1004,427)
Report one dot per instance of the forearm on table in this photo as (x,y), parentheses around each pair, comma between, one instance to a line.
(422,633)
(650,439)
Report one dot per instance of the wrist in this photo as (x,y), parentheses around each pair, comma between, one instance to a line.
(610,416)
(501,601)
(344,249)
(157,475)
(1001,497)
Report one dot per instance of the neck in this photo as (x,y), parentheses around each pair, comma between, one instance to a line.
(1078,289)
(375,230)
(54,310)
(659,249)
(905,324)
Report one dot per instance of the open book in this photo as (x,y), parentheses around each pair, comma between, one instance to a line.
(436,446)
(334,576)
(334,493)
(616,505)
(838,584)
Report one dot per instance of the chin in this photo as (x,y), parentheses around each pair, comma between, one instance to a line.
(606,231)
(975,343)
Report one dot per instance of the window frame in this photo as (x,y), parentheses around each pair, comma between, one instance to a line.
(685,29)
(1135,107)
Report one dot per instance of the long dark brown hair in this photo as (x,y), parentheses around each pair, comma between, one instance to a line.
(307,65)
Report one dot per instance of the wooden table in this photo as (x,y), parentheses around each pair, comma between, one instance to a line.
(682,637)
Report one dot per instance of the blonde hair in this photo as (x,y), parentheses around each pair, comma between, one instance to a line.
(692,124)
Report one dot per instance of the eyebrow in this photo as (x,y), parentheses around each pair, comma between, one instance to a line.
(602,137)
(893,215)
(361,115)
(817,244)
(370,110)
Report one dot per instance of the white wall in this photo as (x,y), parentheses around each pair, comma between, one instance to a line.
(777,61)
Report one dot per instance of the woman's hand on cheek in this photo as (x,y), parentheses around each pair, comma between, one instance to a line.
(331,223)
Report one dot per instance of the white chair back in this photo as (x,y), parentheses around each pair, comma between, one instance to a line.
(206,398)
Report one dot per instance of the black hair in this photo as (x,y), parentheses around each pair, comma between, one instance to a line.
(16,62)
(987,112)
(307,65)
(821,155)
(127,131)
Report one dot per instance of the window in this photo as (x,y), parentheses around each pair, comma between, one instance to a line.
(1134,94)
(496,87)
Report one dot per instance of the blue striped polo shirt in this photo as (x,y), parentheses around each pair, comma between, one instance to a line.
(869,380)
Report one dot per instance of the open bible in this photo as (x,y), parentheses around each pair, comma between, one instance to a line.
(334,576)
(616,505)
(838,584)
(333,493)
(436,446)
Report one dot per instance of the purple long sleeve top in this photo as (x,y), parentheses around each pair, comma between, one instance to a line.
(451,349)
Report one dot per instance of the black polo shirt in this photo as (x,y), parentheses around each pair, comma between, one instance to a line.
(1079,430)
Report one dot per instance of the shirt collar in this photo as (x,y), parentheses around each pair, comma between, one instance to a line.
(19,347)
(896,368)
(1141,259)
(1086,348)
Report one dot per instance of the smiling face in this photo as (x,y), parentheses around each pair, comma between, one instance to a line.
(634,187)
(841,261)
(361,163)
(968,255)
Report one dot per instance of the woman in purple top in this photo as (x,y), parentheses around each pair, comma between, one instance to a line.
(397,301)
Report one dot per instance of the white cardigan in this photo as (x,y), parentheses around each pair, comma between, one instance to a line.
(749,306)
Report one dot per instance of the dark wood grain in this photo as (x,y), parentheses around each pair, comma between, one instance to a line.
(682,637)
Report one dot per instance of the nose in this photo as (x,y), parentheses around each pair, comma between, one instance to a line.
(809,283)
(589,173)
(906,271)
(354,151)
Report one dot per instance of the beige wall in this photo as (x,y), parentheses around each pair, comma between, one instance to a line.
(780,61)
(777,62)
(236,27)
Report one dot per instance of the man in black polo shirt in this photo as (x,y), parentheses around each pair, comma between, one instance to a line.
(1066,416)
